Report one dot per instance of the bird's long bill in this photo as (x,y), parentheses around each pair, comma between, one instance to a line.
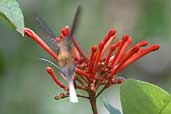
(72,93)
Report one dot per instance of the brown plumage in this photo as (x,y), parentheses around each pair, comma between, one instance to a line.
(65,53)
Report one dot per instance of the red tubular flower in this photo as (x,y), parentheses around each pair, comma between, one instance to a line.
(54,77)
(97,69)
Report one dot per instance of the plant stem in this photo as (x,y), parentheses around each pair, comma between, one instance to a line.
(92,99)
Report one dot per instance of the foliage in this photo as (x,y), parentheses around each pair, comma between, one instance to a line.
(12,14)
(138,97)
(110,108)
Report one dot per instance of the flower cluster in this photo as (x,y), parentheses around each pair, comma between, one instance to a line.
(101,66)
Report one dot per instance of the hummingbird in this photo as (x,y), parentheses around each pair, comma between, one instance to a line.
(65,53)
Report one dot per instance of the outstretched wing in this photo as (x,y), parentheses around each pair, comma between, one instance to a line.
(45,28)
(75,21)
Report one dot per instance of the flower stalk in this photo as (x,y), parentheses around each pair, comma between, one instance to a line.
(93,103)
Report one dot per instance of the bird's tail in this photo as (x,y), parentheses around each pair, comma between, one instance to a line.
(72,93)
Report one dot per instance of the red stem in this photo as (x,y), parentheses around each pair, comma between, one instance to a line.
(92,99)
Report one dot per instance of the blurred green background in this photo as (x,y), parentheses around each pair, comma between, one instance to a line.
(25,87)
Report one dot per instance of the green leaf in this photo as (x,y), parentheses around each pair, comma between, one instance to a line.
(110,108)
(11,13)
(138,97)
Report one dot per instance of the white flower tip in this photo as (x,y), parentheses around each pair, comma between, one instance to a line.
(72,93)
